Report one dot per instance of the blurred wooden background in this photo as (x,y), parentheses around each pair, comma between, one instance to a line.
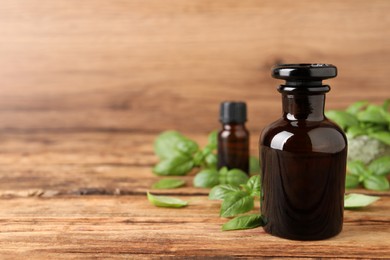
(150,65)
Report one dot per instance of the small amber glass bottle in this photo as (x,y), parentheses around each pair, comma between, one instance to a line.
(233,138)
(303,159)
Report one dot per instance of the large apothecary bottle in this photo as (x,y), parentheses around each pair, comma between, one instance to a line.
(303,159)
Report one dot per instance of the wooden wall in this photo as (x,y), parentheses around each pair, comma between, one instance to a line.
(150,65)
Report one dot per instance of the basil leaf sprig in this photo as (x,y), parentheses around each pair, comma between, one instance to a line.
(362,118)
(237,203)
(209,178)
(179,154)
(367,127)
(236,199)
(372,177)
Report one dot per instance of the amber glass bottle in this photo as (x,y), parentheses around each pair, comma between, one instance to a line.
(304,159)
(233,138)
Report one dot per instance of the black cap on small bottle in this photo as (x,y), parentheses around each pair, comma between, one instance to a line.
(232,112)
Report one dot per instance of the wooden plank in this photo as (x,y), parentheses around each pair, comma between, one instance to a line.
(102,226)
(149,65)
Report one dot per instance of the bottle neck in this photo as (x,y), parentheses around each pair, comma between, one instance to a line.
(303,106)
(233,126)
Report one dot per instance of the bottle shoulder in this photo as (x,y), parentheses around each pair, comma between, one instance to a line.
(241,132)
(304,136)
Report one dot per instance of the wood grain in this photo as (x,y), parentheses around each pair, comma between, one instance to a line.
(150,65)
(102,226)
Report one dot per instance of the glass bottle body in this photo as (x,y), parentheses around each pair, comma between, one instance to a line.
(303,171)
(233,147)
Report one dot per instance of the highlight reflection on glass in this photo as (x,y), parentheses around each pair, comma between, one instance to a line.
(280,139)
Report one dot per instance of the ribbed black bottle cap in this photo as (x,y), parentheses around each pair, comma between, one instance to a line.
(232,112)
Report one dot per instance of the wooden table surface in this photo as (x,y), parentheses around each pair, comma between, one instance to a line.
(55,205)
(85,87)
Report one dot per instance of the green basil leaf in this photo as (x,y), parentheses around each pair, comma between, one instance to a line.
(386,105)
(358,200)
(220,192)
(198,158)
(256,193)
(372,114)
(244,222)
(206,158)
(342,118)
(236,203)
(211,161)
(356,107)
(168,184)
(167,202)
(385,110)
(207,150)
(356,168)
(354,131)
(351,181)
(165,144)
(380,166)
(206,178)
(375,128)
(245,187)
(375,182)
(384,136)
(254,185)
(234,177)
(187,147)
(212,139)
(223,175)
(223,171)
(179,165)
(254,165)
(386,115)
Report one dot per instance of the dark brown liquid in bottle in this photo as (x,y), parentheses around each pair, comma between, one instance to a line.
(303,171)
(233,147)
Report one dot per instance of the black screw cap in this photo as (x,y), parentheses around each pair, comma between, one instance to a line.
(233,112)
